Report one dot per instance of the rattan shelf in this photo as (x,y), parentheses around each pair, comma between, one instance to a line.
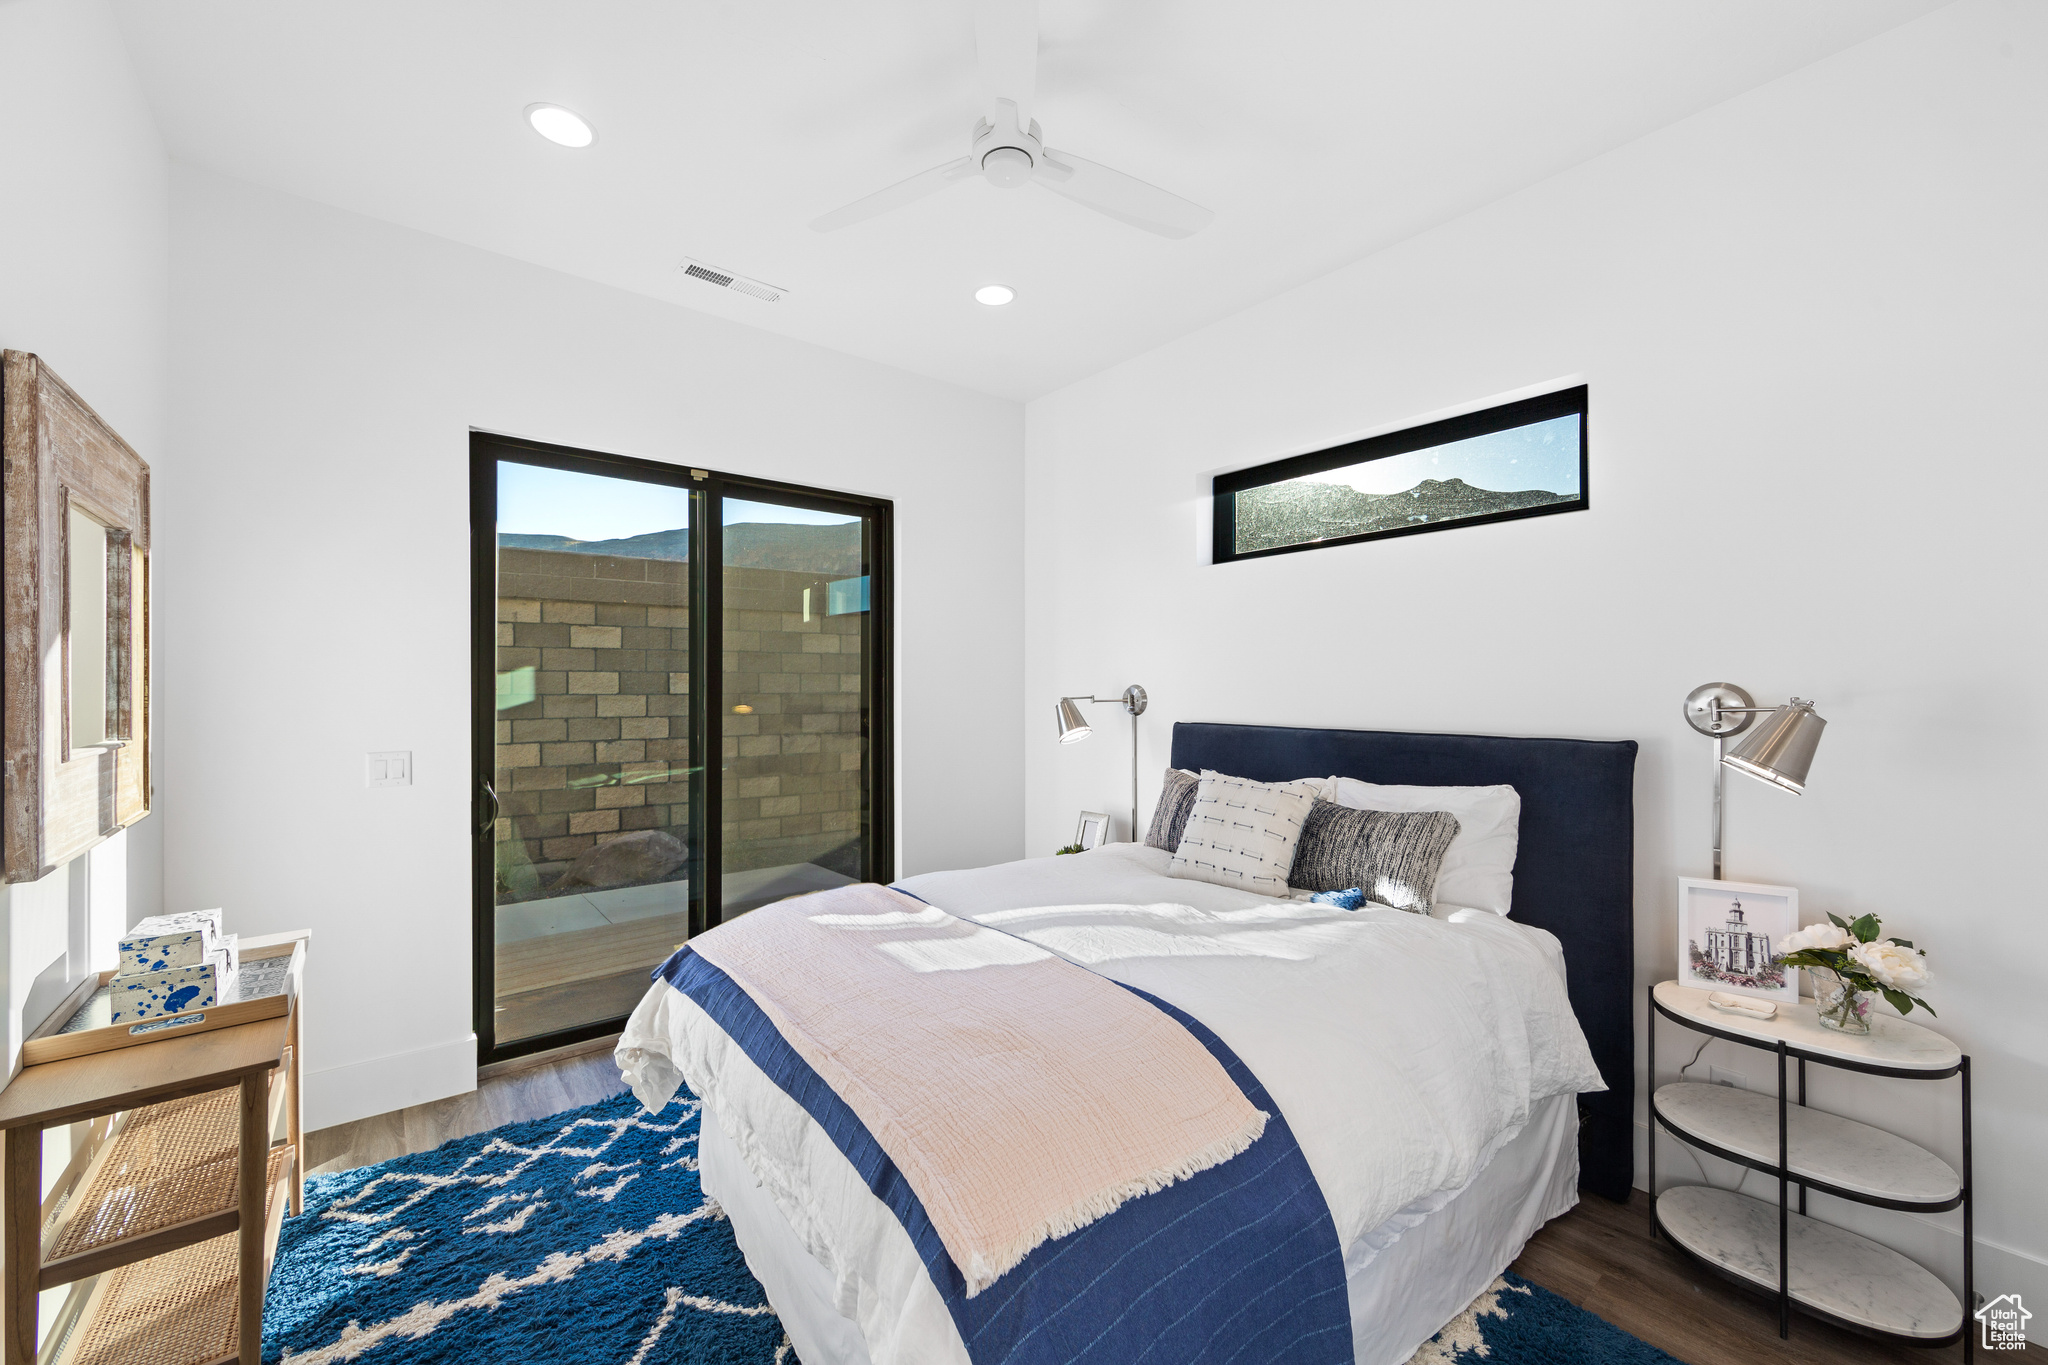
(182,1308)
(165,1179)
(164,1224)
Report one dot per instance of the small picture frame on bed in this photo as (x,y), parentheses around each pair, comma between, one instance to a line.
(1093,831)
(1728,937)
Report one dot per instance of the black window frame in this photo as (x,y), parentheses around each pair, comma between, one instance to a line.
(708,489)
(1502,417)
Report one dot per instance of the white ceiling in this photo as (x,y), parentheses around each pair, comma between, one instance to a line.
(1318,132)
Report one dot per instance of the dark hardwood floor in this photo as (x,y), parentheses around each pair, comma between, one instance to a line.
(1599,1255)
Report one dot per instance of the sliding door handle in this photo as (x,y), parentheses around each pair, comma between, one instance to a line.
(487,809)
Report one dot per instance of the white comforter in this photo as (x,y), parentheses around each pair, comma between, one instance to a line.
(1403,1050)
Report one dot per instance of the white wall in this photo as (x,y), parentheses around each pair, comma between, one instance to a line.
(84,249)
(1811,323)
(327,371)
(84,283)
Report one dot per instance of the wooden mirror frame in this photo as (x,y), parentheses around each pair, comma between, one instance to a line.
(61,798)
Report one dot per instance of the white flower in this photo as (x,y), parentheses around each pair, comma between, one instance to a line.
(1903,969)
(1823,935)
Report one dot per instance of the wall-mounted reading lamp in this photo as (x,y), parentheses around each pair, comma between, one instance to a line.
(1074,726)
(1779,752)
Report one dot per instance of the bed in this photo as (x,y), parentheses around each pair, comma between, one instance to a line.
(1435,1137)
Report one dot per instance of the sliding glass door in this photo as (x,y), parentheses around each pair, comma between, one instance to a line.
(633,618)
(794,697)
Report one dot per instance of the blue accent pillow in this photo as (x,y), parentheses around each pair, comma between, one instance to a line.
(1343,900)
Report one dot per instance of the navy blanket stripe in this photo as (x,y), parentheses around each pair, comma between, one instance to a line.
(733,1010)
(1239,1265)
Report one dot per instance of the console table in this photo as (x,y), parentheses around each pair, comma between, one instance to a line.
(167,1217)
(1819,1269)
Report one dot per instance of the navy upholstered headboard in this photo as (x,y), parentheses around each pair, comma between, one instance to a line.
(1574,867)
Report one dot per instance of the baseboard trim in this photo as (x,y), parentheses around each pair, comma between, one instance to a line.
(381,1085)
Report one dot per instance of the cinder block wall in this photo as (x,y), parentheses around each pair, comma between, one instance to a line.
(603,747)
(793,759)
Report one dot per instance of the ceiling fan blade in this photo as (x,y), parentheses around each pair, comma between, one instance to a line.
(1121,196)
(1006,43)
(895,197)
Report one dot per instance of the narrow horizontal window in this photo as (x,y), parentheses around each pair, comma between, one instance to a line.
(1521,459)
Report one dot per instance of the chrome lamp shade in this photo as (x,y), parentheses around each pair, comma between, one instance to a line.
(1777,749)
(1075,726)
(1780,750)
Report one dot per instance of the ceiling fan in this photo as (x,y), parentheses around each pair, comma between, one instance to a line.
(1008,152)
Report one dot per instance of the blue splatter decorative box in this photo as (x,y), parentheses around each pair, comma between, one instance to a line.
(268,977)
(165,941)
(173,964)
(176,990)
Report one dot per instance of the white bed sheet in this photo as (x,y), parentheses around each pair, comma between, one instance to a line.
(1416,1284)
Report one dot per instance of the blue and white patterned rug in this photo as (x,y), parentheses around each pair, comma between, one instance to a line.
(1518,1323)
(585,1239)
(579,1238)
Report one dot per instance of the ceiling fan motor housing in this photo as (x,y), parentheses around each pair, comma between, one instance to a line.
(1006,153)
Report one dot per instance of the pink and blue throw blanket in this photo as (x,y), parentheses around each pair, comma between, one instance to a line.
(1022,1095)
(1237,1264)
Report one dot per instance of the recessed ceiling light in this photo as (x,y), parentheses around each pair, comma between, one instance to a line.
(558,125)
(994,295)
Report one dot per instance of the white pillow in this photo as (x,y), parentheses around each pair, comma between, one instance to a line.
(1479,867)
(1242,833)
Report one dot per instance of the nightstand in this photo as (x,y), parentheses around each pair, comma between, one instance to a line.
(1775,1248)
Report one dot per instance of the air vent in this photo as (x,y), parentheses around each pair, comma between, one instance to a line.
(726,279)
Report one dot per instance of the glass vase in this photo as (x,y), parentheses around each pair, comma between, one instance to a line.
(1841,1006)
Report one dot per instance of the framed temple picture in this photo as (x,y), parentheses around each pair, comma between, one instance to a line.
(1728,937)
(1093,831)
(74,739)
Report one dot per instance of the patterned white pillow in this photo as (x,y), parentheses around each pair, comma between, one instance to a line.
(1242,833)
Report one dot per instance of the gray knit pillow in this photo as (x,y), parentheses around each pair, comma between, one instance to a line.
(1392,856)
(1170,816)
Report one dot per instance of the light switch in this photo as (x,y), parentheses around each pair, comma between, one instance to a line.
(391,768)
